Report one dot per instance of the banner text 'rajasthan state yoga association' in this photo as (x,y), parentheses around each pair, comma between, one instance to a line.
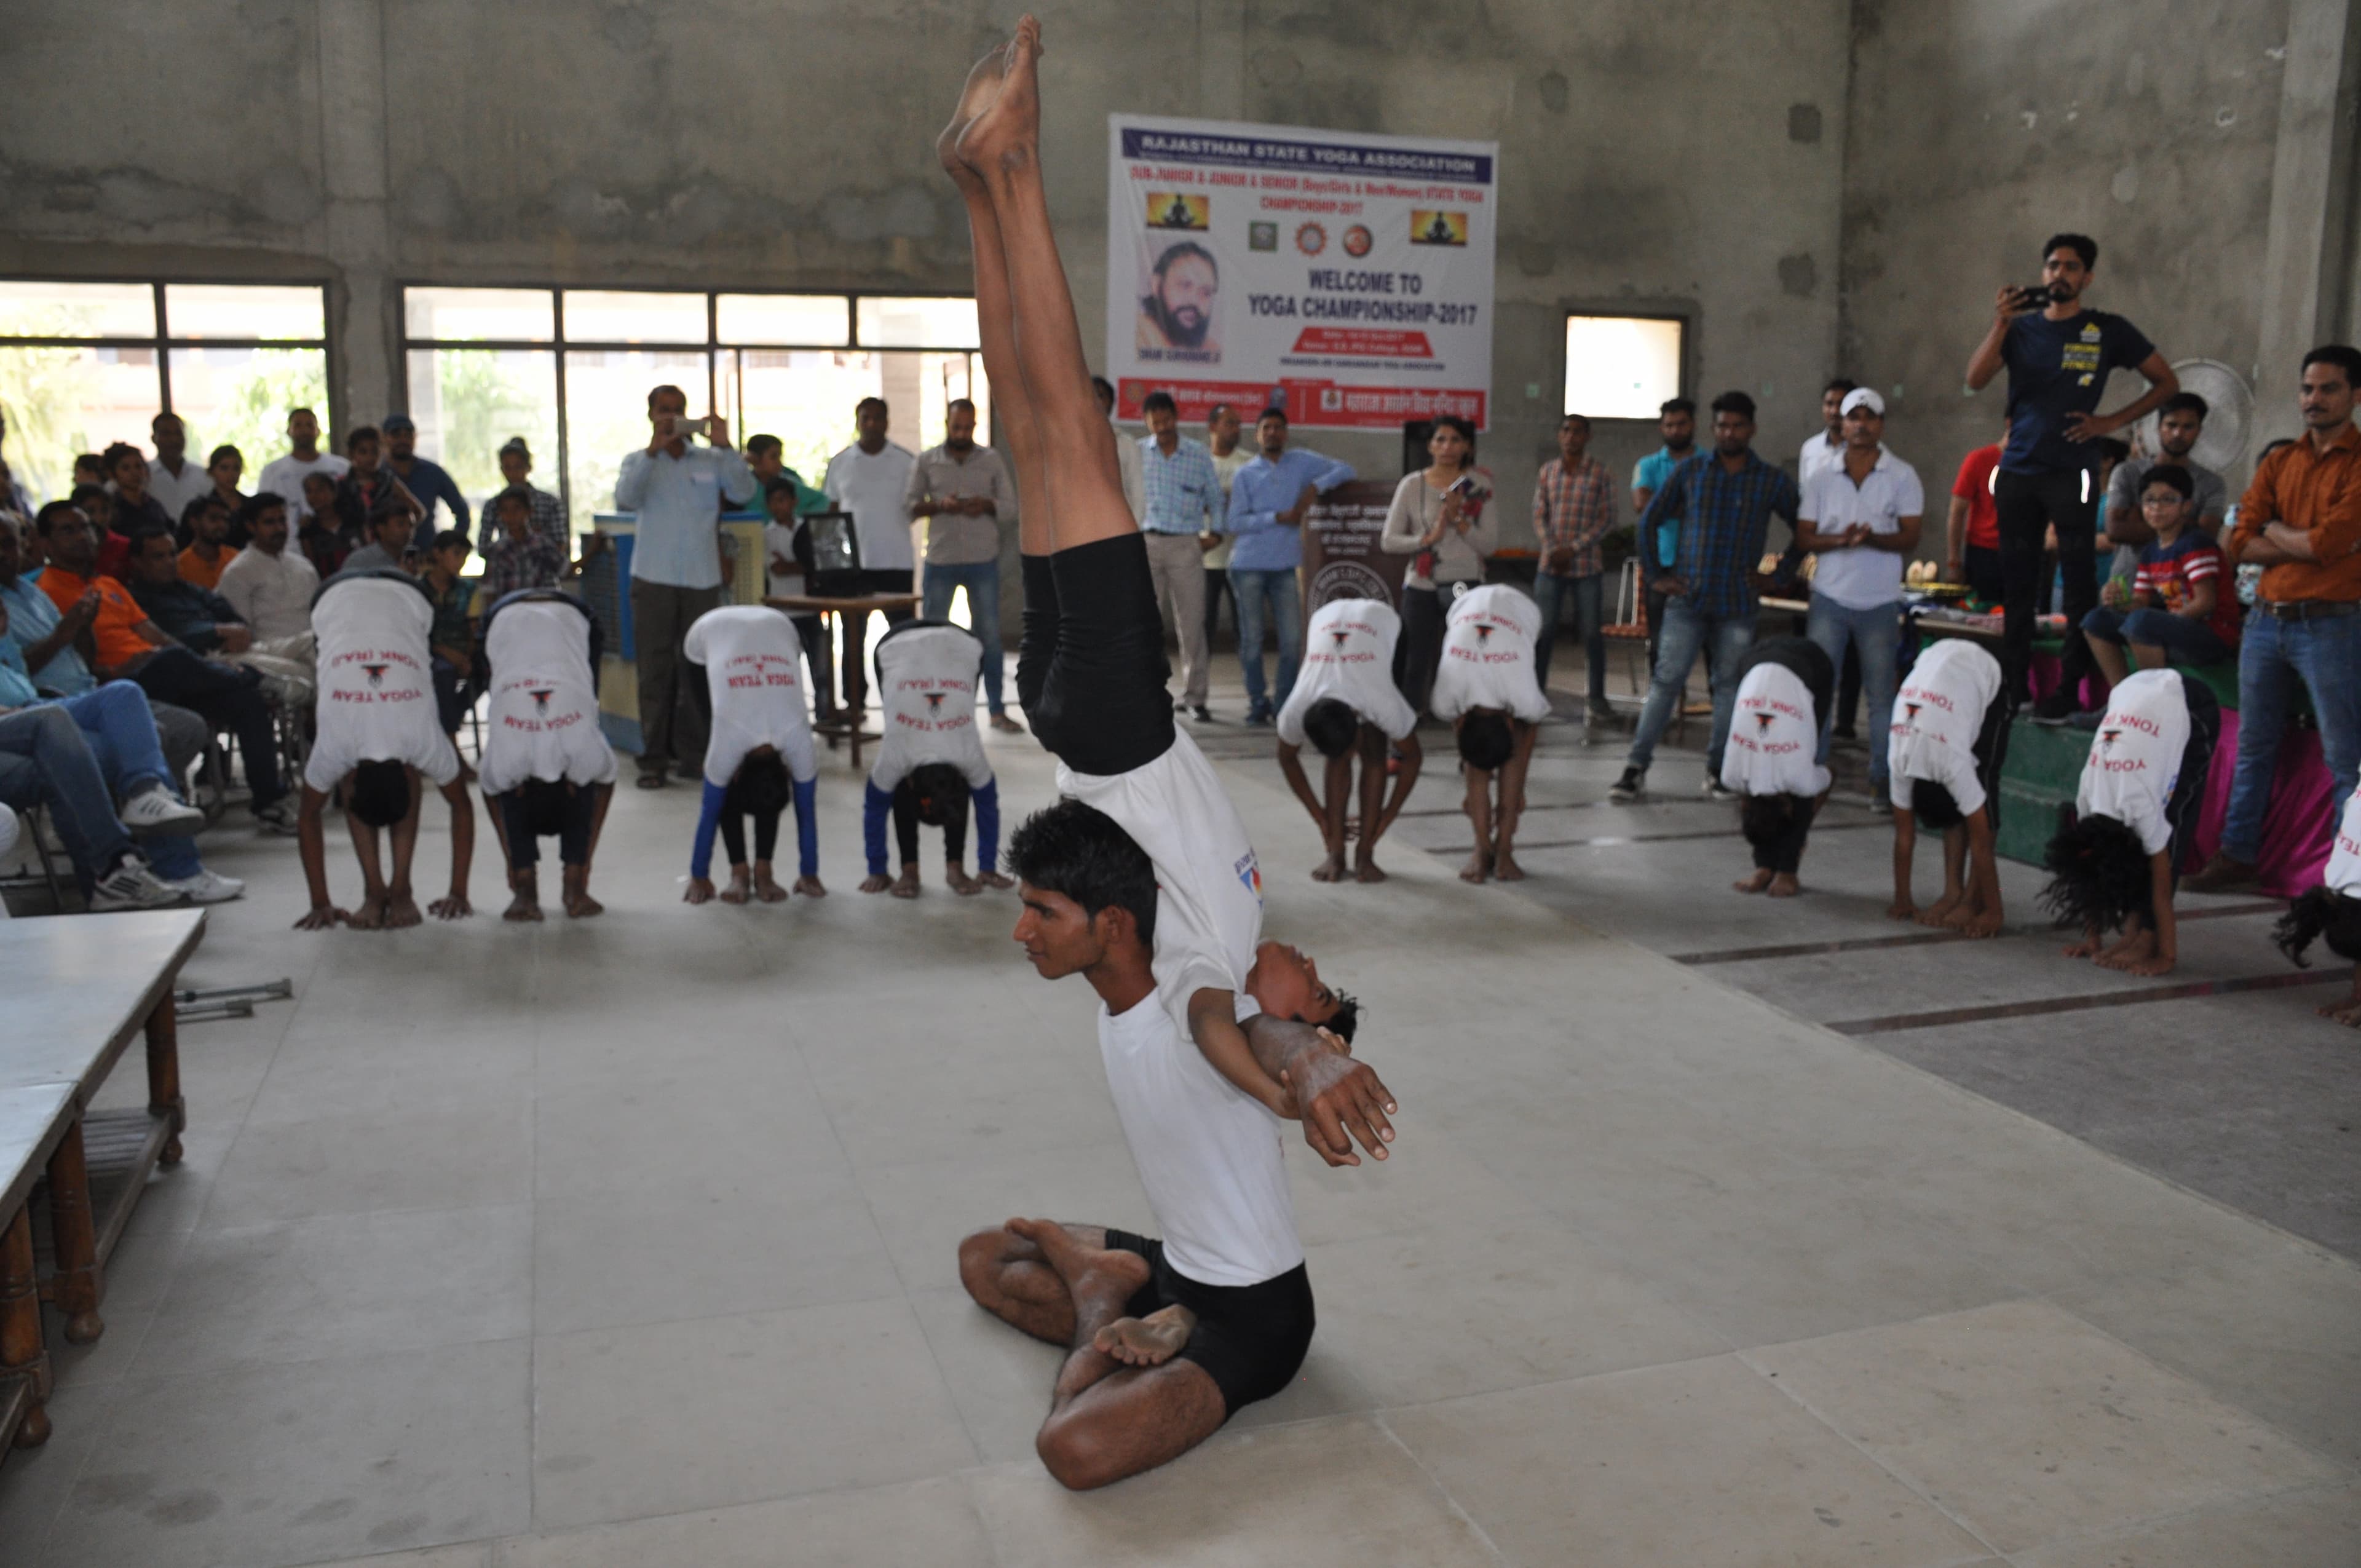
(1352,274)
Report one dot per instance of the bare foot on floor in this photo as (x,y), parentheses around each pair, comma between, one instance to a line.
(2348,1011)
(1505,867)
(767,888)
(1367,871)
(2129,953)
(959,881)
(525,905)
(1006,130)
(741,886)
(1099,1279)
(1150,1341)
(1939,912)
(1784,886)
(580,904)
(1330,869)
(2088,948)
(906,885)
(1756,883)
(1479,867)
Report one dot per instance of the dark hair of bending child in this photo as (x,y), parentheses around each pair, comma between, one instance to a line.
(934,795)
(761,788)
(1494,745)
(2101,880)
(1338,732)
(2324,913)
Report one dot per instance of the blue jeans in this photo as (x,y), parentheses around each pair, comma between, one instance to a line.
(1876,636)
(982,581)
(45,761)
(1685,632)
(2325,655)
(1589,597)
(121,728)
(2184,642)
(1275,591)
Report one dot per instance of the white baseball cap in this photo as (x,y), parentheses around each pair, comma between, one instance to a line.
(1862,398)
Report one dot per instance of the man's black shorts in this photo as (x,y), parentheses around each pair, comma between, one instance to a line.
(1250,1339)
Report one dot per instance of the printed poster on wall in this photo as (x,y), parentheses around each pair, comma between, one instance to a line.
(1347,275)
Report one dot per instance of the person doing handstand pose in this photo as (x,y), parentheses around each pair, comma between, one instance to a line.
(1345,701)
(1487,690)
(378,735)
(2333,911)
(930,763)
(1785,686)
(1950,729)
(1142,881)
(547,770)
(759,755)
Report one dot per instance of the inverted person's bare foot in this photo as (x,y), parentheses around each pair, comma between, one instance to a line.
(1006,130)
(1366,870)
(2135,949)
(1505,867)
(580,904)
(741,886)
(959,881)
(2348,1011)
(766,886)
(1756,883)
(526,905)
(906,885)
(1939,912)
(1150,1341)
(1784,886)
(1099,1279)
(983,86)
(1479,867)
(1329,870)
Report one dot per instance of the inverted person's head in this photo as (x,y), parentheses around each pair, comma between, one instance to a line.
(378,793)
(2323,912)
(2099,874)
(1486,740)
(1087,887)
(1332,726)
(941,791)
(1286,984)
(761,785)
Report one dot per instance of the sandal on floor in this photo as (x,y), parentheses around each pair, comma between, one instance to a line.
(652,781)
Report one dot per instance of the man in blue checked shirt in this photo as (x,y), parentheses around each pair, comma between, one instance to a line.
(1183,496)
(1719,506)
(1268,500)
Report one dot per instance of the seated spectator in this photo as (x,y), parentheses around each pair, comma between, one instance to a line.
(269,586)
(97,503)
(321,537)
(548,511)
(206,528)
(523,555)
(1785,685)
(390,523)
(46,760)
(459,670)
(2181,608)
(1344,702)
(1951,729)
(1485,688)
(2135,811)
(226,468)
(206,623)
(930,763)
(135,508)
(377,737)
(89,469)
(127,643)
(758,755)
(547,768)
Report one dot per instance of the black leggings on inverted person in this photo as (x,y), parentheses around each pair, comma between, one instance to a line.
(1091,669)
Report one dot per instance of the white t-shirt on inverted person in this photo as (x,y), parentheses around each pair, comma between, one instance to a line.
(1938,715)
(754,669)
(1208,1154)
(543,720)
(376,691)
(1208,884)
(926,677)
(2135,758)
(1774,734)
(1348,654)
(1487,656)
(2345,855)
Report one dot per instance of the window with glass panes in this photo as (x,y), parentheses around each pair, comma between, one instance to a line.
(570,370)
(86,364)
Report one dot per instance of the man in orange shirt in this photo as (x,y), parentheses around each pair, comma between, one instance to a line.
(123,642)
(209,548)
(2301,521)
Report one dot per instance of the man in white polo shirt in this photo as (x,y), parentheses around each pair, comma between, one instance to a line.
(870,479)
(1861,516)
(679,491)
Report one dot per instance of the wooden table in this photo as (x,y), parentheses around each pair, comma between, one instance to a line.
(73,991)
(33,1122)
(847,728)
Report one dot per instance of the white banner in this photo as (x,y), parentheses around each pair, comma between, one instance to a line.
(1347,276)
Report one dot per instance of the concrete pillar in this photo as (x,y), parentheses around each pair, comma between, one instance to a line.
(2311,178)
(364,377)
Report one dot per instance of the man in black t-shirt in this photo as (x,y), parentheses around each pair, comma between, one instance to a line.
(2057,359)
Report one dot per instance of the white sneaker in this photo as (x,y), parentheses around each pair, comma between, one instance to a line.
(1716,790)
(208,887)
(132,885)
(154,811)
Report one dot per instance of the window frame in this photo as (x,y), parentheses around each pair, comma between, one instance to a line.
(1685,318)
(163,342)
(560,344)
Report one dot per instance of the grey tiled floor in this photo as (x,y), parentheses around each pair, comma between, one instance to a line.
(630,1242)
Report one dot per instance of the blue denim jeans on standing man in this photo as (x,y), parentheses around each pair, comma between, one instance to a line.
(1724,641)
(1589,608)
(1876,634)
(982,581)
(1275,592)
(2324,653)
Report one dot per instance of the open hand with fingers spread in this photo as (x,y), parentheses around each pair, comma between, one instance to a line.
(1338,1100)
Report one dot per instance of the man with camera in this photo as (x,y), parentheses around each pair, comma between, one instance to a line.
(2058,355)
(679,491)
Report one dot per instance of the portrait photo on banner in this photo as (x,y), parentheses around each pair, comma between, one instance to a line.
(1179,281)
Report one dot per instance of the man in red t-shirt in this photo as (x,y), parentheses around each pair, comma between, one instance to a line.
(1973,531)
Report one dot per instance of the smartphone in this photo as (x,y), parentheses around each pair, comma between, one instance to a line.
(2033,297)
(683,425)
(1463,485)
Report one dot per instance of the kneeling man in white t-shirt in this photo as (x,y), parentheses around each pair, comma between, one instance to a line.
(377,736)
(1485,686)
(2134,813)
(1344,702)
(548,771)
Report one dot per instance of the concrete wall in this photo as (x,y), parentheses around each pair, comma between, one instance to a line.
(1680,153)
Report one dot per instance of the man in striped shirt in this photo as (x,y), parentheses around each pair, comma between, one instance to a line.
(1573,508)
(1724,502)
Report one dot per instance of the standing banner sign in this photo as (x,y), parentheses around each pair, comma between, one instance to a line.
(1341,557)
(1350,275)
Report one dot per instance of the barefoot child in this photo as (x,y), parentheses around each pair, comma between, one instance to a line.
(1345,701)
(1950,730)
(931,762)
(2332,910)
(377,734)
(1784,690)
(1486,687)
(547,769)
(759,754)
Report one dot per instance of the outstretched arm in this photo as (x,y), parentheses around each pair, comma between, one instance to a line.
(1337,1097)
(1291,765)
(1213,1024)
(310,838)
(1413,757)
(454,906)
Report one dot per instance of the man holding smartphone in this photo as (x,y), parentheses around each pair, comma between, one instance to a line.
(2058,355)
(679,491)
